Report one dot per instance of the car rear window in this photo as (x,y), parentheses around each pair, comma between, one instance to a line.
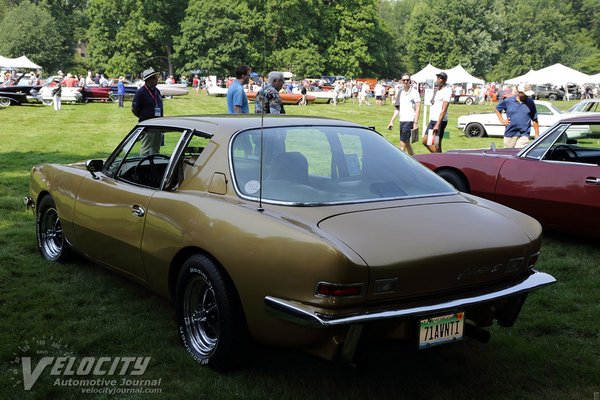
(326,165)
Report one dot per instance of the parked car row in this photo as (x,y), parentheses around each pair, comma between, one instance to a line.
(14,95)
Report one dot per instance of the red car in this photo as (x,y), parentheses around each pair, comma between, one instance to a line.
(95,93)
(556,179)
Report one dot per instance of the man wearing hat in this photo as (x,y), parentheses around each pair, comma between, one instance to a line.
(521,113)
(147,104)
(438,114)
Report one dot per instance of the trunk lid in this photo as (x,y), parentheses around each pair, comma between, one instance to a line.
(438,247)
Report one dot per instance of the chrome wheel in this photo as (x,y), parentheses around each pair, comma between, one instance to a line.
(4,102)
(201,316)
(209,314)
(50,238)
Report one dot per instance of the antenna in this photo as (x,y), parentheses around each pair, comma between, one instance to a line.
(262,116)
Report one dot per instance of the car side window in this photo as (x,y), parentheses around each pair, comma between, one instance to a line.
(543,110)
(144,158)
(579,143)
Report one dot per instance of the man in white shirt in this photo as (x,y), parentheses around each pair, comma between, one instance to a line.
(438,114)
(379,91)
(408,106)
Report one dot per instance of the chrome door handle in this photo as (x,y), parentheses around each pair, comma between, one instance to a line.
(138,211)
(592,180)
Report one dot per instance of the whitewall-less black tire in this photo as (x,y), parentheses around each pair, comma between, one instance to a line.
(209,314)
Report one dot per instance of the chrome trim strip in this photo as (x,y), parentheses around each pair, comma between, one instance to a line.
(306,315)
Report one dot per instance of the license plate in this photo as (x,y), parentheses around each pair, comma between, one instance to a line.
(441,329)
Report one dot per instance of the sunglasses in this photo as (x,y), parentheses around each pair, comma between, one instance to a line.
(405,80)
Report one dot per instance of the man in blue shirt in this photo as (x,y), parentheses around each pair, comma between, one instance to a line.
(520,115)
(237,101)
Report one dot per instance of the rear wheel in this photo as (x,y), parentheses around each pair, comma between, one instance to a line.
(455,179)
(50,238)
(475,130)
(469,101)
(4,102)
(552,97)
(209,314)
(47,102)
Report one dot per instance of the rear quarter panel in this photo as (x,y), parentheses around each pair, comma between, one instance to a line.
(265,254)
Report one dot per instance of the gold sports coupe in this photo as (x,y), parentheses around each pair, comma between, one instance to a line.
(292,231)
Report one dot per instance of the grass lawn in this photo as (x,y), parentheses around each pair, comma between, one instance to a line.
(553,352)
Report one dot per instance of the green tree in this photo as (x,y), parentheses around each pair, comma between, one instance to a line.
(590,16)
(361,41)
(215,37)
(396,15)
(127,36)
(305,62)
(70,20)
(20,31)
(535,35)
(450,32)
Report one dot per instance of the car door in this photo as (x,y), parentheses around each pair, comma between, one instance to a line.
(111,208)
(557,190)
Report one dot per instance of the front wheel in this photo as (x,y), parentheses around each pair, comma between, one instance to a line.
(455,179)
(209,314)
(4,102)
(474,130)
(47,101)
(552,97)
(469,101)
(50,238)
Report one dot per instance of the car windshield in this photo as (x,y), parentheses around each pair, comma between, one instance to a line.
(327,165)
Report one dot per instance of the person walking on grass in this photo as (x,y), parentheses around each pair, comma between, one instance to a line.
(408,107)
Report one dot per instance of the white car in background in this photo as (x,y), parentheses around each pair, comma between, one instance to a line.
(323,96)
(585,106)
(67,94)
(487,124)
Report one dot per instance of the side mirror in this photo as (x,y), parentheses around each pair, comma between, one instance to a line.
(94,166)
(571,141)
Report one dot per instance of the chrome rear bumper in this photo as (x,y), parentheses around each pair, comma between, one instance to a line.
(312,316)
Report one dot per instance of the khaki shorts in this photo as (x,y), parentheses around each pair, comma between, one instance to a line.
(516,141)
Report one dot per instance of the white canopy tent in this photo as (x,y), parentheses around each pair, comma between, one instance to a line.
(459,75)
(521,78)
(19,62)
(556,74)
(455,75)
(426,73)
(595,78)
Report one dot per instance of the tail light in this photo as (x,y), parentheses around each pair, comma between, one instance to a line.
(326,289)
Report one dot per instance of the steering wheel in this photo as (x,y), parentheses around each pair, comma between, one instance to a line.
(154,179)
(568,151)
